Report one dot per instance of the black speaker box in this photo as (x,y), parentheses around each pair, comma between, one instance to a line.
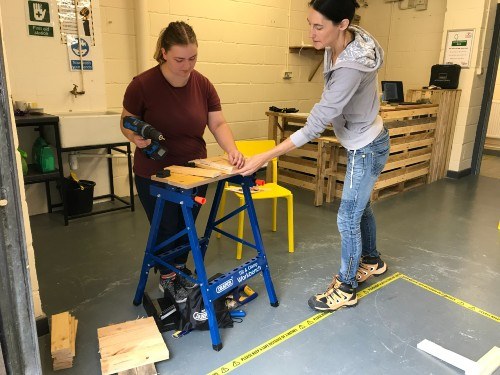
(445,76)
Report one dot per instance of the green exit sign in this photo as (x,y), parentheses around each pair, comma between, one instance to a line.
(459,43)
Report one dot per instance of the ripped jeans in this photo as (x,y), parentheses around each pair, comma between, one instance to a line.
(355,218)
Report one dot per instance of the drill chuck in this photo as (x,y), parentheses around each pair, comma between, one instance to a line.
(142,128)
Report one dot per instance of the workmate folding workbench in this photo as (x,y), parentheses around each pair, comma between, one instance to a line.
(182,189)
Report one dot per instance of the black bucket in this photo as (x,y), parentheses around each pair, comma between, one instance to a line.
(79,196)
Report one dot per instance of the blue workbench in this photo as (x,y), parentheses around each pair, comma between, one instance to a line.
(182,190)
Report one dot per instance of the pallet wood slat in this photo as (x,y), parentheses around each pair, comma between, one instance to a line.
(143,370)
(63,340)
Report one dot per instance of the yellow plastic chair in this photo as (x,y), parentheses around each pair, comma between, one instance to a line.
(270,190)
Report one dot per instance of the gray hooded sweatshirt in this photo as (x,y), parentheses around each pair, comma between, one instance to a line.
(350,97)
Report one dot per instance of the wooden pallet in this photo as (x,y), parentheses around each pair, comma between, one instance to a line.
(411,145)
(130,345)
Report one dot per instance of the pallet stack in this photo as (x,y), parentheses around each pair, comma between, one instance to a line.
(411,134)
(63,338)
(130,345)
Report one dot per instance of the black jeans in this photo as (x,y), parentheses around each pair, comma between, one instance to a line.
(172,220)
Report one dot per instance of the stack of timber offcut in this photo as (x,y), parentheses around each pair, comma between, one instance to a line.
(62,342)
(130,345)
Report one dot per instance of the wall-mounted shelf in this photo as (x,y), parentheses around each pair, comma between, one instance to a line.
(308,49)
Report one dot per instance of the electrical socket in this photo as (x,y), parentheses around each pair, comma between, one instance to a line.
(420,4)
(287,75)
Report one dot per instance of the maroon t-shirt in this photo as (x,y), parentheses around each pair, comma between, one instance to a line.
(179,113)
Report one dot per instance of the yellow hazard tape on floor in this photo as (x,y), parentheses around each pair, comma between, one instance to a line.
(279,339)
(453,299)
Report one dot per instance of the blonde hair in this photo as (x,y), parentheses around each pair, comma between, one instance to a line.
(176,33)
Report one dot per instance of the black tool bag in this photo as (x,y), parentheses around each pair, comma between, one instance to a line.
(445,76)
(194,315)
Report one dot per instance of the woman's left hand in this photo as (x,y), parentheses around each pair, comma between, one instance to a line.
(236,158)
(253,164)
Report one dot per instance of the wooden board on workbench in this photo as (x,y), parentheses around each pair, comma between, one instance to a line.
(219,163)
(202,172)
(130,345)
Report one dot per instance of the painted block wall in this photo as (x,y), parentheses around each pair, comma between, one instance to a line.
(411,39)
(243,50)
(37,303)
(39,72)
(478,15)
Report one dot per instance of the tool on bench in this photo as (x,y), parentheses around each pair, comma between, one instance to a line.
(154,150)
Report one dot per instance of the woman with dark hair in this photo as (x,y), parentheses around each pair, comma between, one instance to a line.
(179,102)
(350,103)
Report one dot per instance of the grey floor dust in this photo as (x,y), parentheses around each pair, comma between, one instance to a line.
(443,234)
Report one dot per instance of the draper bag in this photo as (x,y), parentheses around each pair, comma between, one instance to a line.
(194,315)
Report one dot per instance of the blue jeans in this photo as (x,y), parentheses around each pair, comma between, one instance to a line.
(355,218)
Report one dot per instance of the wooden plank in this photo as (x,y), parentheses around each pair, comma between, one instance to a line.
(60,332)
(297,164)
(130,345)
(431,110)
(413,128)
(407,161)
(202,172)
(384,182)
(118,329)
(297,179)
(149,369)
(219,163)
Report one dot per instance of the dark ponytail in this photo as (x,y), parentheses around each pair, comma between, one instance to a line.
(335,10)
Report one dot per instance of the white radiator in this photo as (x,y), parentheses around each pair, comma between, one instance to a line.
(493,130)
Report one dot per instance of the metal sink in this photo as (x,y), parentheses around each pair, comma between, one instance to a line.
(89,128)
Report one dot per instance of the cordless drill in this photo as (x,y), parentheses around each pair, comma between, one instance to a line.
(154,150)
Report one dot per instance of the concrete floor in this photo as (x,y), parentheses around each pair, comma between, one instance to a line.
(490,165)
(444,235)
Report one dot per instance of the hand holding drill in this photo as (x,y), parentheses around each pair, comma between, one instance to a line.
(154,150)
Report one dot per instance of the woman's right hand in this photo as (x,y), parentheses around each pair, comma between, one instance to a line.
(139,141)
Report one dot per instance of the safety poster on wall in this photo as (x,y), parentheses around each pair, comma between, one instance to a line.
(38,18)
(459,47)
(77,32)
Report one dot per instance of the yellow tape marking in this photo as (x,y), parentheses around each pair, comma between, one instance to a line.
(452,299)
(251,354)
(309,322)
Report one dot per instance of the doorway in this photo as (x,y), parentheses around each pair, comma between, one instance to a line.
(486,155)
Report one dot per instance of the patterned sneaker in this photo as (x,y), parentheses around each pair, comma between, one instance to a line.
(175,289)
(370,266)
(337,295)
(185,283)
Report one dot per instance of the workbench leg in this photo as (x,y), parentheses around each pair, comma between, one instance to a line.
(252,215)
(219,199)
(146,263)
(200,270)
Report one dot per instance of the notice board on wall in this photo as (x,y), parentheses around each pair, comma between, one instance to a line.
(458,49)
